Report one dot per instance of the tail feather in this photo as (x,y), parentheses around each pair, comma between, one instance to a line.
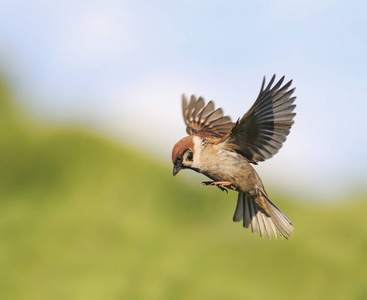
(267,223)
(238,213)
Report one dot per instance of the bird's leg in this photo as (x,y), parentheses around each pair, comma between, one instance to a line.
(220,184)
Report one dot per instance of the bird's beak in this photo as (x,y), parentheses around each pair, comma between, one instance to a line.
(176,169)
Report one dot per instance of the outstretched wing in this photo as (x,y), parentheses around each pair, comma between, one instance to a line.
(263,129)
(204,120)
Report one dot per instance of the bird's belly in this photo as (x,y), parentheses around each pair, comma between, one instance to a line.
(241,175)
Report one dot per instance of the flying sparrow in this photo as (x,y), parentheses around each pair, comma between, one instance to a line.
(224,152)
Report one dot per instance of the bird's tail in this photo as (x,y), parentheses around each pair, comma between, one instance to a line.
(267,221)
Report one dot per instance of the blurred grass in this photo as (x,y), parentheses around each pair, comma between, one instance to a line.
(83,217)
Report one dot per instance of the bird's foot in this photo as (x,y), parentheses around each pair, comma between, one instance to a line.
(220,184)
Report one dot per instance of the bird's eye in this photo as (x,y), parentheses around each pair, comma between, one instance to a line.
(179,159)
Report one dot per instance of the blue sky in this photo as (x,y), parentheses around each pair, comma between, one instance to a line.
(121,67)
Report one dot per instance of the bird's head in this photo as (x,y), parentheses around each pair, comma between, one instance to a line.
(183,154)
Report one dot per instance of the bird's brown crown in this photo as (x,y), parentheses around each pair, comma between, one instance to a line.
(181,146)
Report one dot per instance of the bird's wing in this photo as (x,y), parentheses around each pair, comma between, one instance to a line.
(263,129)
(204,120)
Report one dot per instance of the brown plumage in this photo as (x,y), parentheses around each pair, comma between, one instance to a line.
(224,151)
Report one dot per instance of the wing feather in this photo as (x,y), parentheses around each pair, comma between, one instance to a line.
(261,132)
(204,120)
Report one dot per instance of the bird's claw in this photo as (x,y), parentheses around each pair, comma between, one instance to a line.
(220,184)
(222,188)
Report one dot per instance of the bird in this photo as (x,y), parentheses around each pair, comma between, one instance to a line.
(224,151)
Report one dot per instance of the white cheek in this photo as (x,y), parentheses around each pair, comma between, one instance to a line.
(195,165)
(197,152)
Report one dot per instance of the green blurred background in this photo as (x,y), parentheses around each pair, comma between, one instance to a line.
(89,111)
(86,217)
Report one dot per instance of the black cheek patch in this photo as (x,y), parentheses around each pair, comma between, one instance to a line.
(190,156)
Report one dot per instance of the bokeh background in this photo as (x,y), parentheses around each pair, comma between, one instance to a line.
(90,109)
